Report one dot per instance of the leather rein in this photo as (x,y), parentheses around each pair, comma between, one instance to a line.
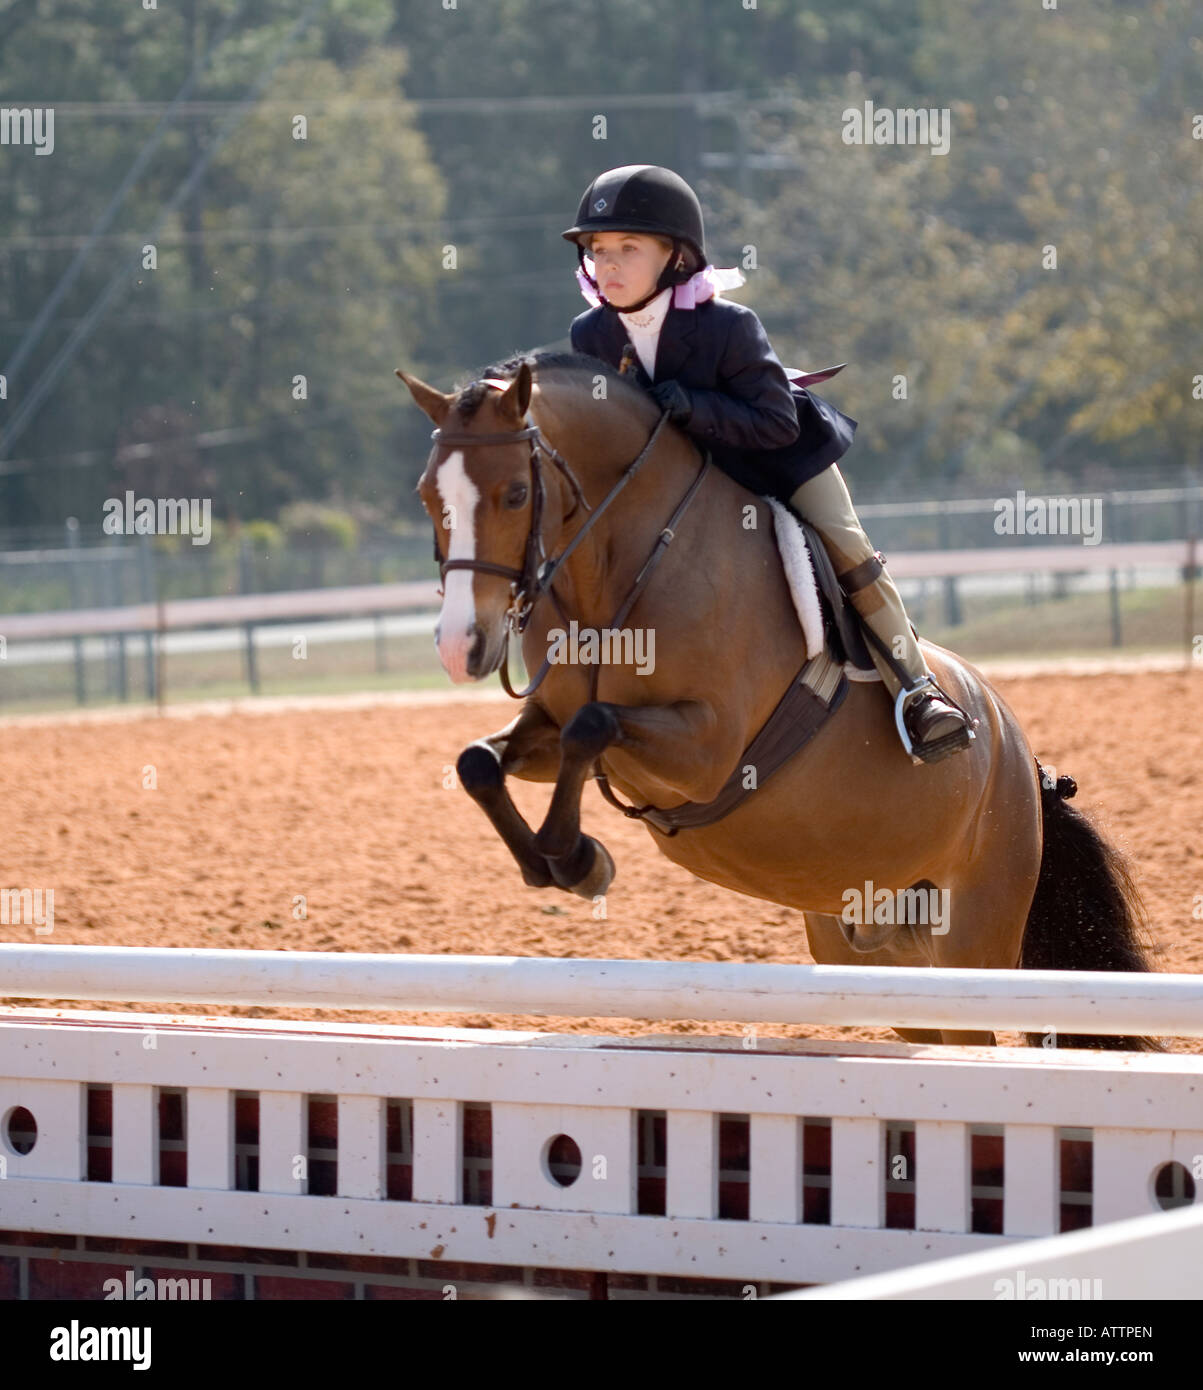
(538,572)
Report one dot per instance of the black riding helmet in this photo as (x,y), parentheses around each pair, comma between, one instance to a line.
(643,198)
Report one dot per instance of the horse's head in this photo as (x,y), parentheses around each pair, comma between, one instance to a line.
(479,496)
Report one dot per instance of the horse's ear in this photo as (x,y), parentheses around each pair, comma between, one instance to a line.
(515,398)
(433,402)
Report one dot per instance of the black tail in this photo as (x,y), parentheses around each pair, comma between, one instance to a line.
(1087,913)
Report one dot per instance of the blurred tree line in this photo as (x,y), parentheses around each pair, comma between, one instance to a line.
(417,224)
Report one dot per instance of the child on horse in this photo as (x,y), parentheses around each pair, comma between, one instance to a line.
(708,362)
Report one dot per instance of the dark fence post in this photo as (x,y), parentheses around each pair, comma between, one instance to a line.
(246,585)
(252,663)
(1117,634)
(146,577)
(952,599)
(113,569)
(81,692)
(246,571)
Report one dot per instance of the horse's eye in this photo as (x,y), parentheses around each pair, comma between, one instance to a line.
(516,497)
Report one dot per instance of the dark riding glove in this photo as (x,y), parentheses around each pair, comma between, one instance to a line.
(673,397)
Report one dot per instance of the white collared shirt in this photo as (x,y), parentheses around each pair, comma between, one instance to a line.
(643,329)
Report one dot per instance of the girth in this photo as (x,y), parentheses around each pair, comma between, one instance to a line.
(812,698)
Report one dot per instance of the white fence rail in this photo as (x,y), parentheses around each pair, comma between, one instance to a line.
(225,610)
(420,595)
(1040,559)
(76,634)
(241,610)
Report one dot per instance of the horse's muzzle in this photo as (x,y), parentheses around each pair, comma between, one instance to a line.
(472,655)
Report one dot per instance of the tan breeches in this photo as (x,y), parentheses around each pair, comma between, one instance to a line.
(824,502)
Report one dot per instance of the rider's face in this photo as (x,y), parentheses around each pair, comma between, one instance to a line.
(627,264)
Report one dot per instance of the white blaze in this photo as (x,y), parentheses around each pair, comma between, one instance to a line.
(459,497)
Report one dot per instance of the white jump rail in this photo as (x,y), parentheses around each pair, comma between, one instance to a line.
(1146,1257)
(867,1105)
(1026,1000)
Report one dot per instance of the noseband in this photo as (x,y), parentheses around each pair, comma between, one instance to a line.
(535,578)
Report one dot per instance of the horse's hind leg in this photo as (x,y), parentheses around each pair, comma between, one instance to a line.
(529,746)
(983,927)
(910,946)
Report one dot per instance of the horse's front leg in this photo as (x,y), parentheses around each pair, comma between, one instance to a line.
(669,740)
(529,747)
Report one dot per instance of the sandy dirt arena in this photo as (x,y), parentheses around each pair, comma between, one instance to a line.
(348,808)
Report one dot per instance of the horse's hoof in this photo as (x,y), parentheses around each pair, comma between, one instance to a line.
(598,876)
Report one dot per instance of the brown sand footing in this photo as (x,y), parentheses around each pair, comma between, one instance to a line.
(349,810)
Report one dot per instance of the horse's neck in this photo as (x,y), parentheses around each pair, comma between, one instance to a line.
(598,440)
(604,565)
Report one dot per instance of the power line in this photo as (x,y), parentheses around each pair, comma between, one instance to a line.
(209,439)
(156,138)
(530,284)
(486,105)
(283,235)
(46,382)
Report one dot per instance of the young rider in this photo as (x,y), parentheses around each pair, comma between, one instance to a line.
(709,363)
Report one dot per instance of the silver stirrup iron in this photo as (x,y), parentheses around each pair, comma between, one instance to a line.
(900,700)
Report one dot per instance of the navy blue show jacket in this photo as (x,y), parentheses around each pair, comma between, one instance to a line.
(767,432)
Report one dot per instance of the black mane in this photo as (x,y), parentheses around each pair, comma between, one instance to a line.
(618,387)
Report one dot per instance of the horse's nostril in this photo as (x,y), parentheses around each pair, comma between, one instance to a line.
(477,647)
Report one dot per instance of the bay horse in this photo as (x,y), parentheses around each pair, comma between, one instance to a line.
(544,514)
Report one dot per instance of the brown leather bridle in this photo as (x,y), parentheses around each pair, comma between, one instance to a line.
(528,583)
(538,572)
